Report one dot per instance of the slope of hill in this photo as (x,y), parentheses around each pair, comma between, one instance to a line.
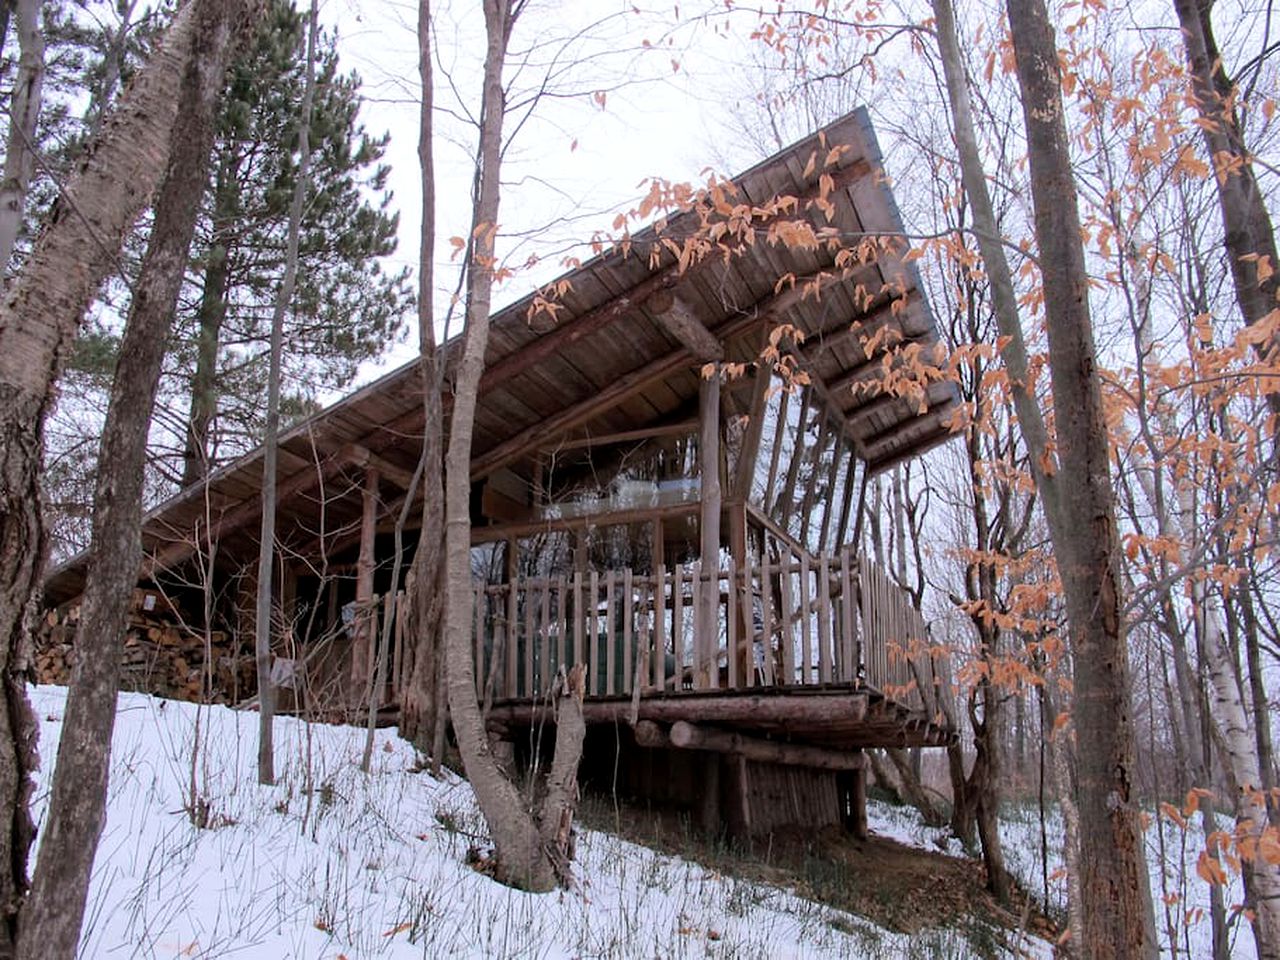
(332,863)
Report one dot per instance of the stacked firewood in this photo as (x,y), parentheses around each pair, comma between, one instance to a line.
(159,655)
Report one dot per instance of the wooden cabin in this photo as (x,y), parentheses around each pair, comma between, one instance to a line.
(688,534)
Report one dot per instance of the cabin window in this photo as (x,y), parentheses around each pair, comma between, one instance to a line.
(582,477)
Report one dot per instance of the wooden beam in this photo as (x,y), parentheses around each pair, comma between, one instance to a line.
(860,416)
(689,736)
(238,516)
(702,708)
(883,311)
(500,531)
(591,322)
(786,496)
(364,457)
(769,310)
(930,422)
(624,436)
(918,446)
(679,320)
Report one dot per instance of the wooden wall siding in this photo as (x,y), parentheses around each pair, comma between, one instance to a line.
(781,797)
(808,621)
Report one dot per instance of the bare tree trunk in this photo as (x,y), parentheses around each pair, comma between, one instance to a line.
(523,854)
(1250,238)
(43,306)
(267,537)
(516,839)
(24,110)
(50,924)
(420,701)
(1118,916)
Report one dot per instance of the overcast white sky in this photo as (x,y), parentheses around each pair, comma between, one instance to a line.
(573,162)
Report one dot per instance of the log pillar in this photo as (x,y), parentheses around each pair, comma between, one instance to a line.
(852,785)
(709,807)
(706,641)
(736,787)
(365,621)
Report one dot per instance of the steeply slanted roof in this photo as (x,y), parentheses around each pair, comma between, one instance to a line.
(613,358)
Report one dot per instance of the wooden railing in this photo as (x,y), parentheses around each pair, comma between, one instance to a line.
(797,621)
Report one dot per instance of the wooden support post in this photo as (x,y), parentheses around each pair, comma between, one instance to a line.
(858,802)
(706,635)
(709,808)
(366,617)
(736,795)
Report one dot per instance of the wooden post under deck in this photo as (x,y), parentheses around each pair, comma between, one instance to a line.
(366,617)
(855,783)
(706,639)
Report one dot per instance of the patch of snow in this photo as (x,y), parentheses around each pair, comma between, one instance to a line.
(332,863)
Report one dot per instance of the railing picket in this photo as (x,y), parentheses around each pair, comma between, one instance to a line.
(477,598)
(628,613)
(806,621)
(786,639)
(609,640)
(699,629)
(677,623)
(577,624)
(510,650)
(562,634)
(660,627)
(733,642)
(766,601)
(544,639)
(748,626)
(848,598)
(527,687)
(824,620)
(593,634)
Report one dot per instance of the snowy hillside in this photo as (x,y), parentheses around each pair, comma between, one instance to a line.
(331,863)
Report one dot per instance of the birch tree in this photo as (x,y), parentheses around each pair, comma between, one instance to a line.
(41,311)
(19,158)
(50,923)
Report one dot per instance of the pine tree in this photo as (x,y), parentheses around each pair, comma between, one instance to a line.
(345,308)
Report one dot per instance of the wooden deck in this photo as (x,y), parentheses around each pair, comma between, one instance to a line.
(821,651)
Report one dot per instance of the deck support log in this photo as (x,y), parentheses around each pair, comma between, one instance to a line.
(731,708)
(688,736)
(366,616)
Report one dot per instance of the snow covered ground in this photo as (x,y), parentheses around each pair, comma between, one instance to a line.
(331,863)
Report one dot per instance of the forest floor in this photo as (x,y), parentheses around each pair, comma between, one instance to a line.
(900,886)
(197,860)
